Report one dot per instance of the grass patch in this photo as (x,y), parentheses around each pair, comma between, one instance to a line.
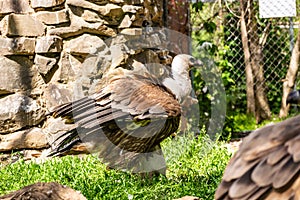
(195,167)
(237,124)
(244,122)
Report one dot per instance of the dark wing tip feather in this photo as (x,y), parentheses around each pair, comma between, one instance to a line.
(64,142)
(67,109)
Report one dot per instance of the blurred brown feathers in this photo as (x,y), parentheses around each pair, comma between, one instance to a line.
(266,166)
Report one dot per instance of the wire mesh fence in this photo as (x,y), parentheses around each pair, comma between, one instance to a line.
(270,39)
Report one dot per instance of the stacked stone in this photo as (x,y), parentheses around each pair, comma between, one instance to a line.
(45,45)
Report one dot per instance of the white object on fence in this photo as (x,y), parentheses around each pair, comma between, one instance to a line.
(277,8)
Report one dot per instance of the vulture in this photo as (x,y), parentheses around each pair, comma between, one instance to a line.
(128,117)
(293,97)
(267,164)
(45,191)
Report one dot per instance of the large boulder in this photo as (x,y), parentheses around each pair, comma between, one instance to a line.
(16,74)
(33,138)
(84,45)
(46,3)
(14,6)
(21,25)
(17,46)
(53,18)
(18,111)
(110,10)
(48,44)
(45,64)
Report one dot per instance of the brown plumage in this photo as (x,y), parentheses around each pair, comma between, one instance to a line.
(126,120)
(44,191)
(266,166)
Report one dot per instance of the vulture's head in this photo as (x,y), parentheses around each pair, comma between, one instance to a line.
(293,97)
(180,83)
(183,63)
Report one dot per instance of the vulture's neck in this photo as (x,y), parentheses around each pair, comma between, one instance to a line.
(179,83)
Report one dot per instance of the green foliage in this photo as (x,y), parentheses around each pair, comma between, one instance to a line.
(244,122)
(198,6)
(195,170)
(210,27)
(238,124)
(205,39)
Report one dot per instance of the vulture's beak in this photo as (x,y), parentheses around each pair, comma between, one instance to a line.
(293,97)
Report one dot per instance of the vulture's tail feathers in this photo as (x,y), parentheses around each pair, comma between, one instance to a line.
(64,143)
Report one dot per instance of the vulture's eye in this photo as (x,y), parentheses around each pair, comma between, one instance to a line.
(192,60)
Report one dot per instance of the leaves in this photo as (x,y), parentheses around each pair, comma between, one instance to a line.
(198,6)
(210,26)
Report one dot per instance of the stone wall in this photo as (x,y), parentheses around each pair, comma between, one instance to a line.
(46,45)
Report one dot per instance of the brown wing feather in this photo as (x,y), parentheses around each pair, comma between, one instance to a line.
(242,186)
(267,165)
(294,148)
(139,97)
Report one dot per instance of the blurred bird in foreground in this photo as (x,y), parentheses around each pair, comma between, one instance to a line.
(267,164)
(128,118)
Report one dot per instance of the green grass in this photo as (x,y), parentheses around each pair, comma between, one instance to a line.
(195,168)
(238,123)
(246,122)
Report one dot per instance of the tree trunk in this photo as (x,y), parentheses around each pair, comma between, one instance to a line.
(247,57)
(178,20)
(220,26)
(257,102)
(262,109)
(290,78)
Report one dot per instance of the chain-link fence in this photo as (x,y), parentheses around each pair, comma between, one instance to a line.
(276,38)
(269,41)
